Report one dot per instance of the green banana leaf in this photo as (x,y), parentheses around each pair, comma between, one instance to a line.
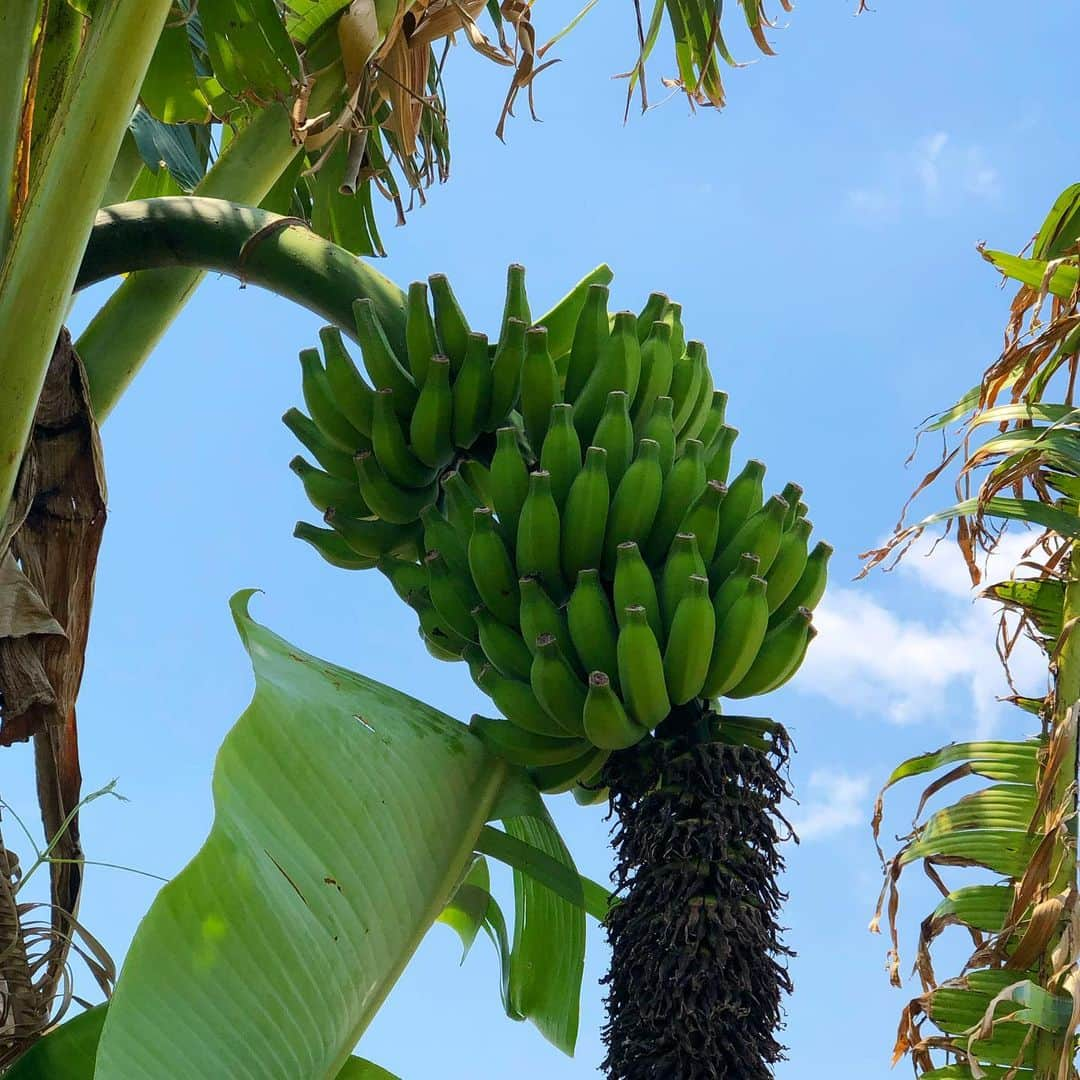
(345,815)
(68,1052)
(1061,229)
(1033,272)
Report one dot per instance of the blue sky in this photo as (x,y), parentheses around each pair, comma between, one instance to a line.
(821,235)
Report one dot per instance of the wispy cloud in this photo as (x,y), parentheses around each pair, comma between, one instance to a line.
(931,176)
(837,801)
(873,661)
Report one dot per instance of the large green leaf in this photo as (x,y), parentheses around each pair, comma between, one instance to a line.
(68,1052)
(345,815)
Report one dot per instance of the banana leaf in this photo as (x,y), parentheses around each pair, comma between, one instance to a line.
(345,815)
(68,1052)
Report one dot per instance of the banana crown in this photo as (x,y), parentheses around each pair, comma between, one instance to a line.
(557,507)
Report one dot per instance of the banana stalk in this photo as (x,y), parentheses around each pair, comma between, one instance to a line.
(42,259)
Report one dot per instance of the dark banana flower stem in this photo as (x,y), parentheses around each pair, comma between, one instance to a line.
(697,971)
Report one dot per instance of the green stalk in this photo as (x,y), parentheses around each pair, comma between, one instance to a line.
(256,246)
(1050,1047)
(45,251)
(121,336)
(17,21)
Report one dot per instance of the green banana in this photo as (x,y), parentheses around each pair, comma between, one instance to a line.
(395,504)
(651,313)
(606,721)
(516,305)
(420,343)
(521,747)
(801,510)
(320,403)
(380,359)
(352,395)
(335,461)
(459,503)
(561,455)
(684,561)
(660,427)
(372,537)
(739,635)
(584,518)
(673,317)
(634,587)
(516,701)
(637,498)
(474,656)
(791,494)
(590,339)
(811,584)
(556,686)
(501,645)
(471,392)
(509,481)
(714,421)
(719,454)
(641,670)
(453,596)
(441,640)
(563,317)
(538,535)
(450,323)
(686,379)
(431,424)
(699,412)
(592,626)
(624,337)
(760,535)
(682,487)
(539,387)
(440,535)
(744,499)
(332,547)
(555,779)
(688,653)
(391,448)
(492,569)
(408,579)
(540,615)
(703,519)
(779,657)
(734,585)
(478,476)
(587,793)
(324,490)
(615,434)
(618,367)
(789,563)
(656,369)
(506,373)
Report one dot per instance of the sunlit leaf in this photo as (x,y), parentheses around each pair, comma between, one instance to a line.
(345,812)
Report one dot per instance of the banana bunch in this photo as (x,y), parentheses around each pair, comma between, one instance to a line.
(557,511)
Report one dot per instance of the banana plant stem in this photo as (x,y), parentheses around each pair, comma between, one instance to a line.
(124,332)
(255,246)
(17,21)
(48,242)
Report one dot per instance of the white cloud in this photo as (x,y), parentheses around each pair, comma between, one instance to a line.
(872,661)
(935,174)
(927,162)
(837,801)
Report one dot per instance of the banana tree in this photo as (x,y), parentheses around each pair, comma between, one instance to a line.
(1012,1011)
(311,108)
